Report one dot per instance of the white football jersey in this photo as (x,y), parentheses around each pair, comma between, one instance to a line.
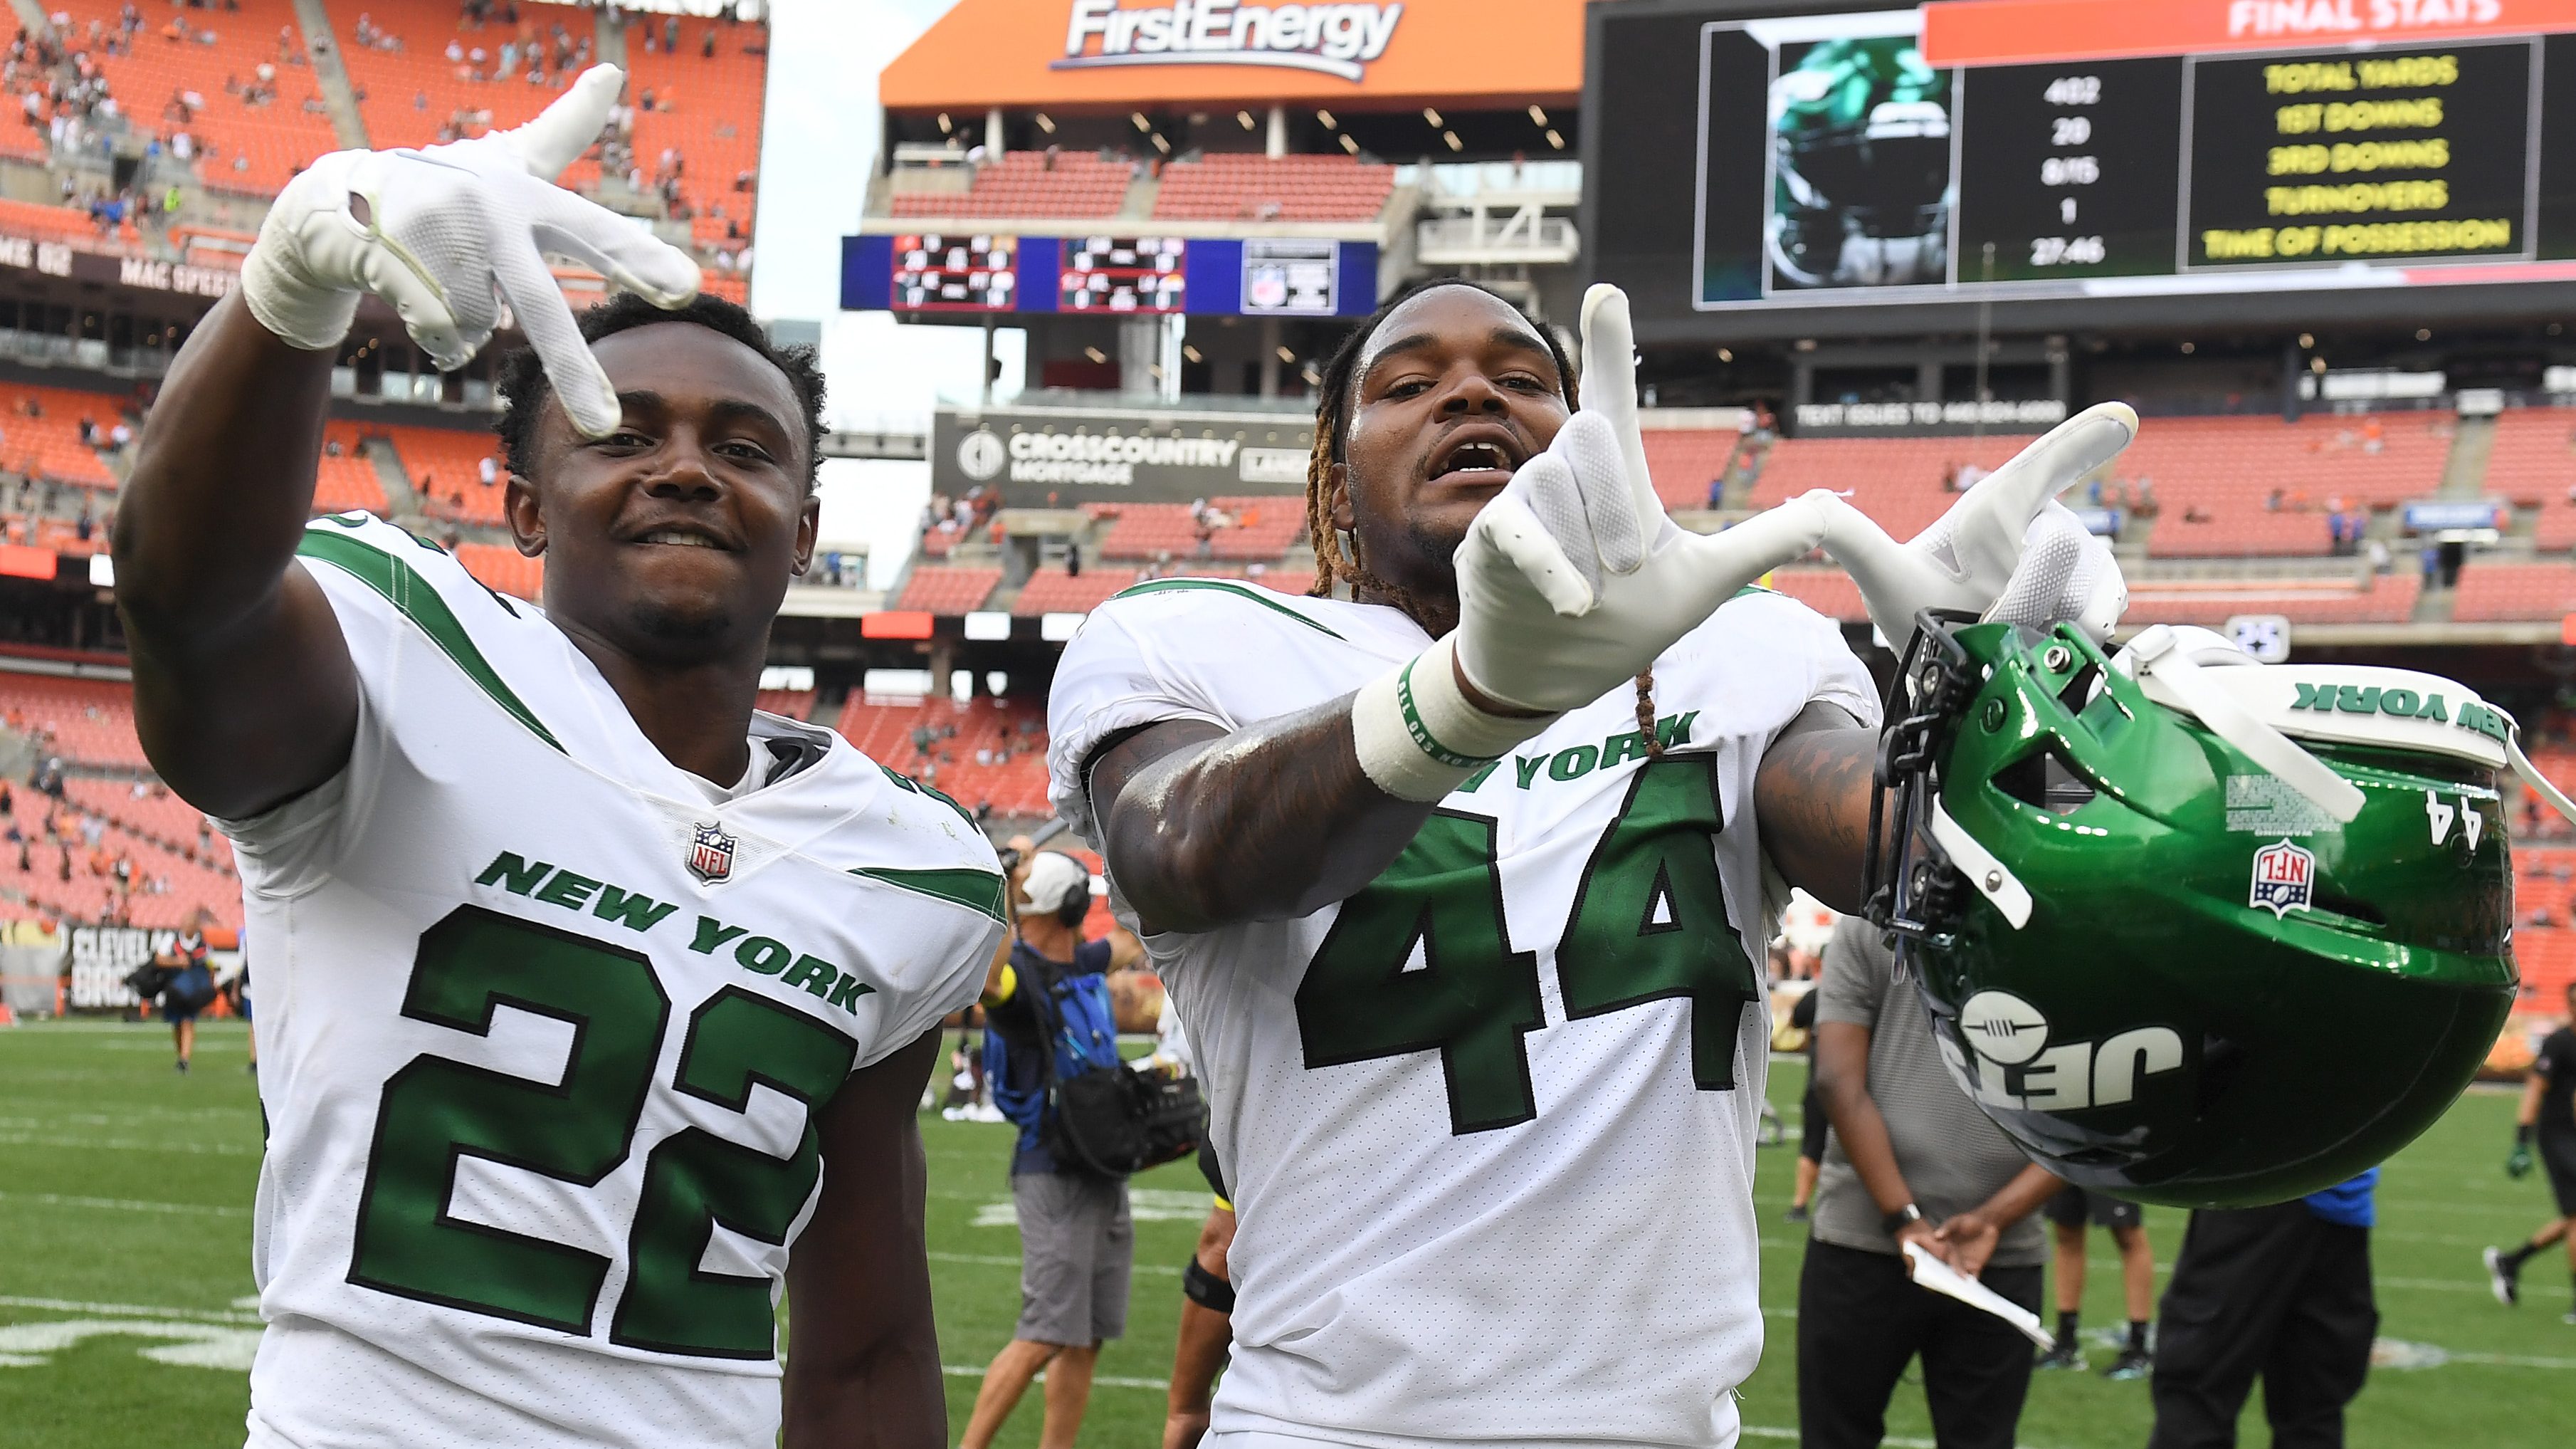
(543,1034)
(1489,1123)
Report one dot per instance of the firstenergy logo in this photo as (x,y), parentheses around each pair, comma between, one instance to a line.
(1338,40)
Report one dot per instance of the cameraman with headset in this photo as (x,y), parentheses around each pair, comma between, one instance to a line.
(1077,1244)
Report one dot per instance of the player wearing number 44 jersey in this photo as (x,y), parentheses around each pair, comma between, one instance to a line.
(1458,883)
(596,1005)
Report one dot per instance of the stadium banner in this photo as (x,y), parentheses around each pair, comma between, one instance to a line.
(1022,53)
(2020,32)
(1925,419)
(101,958)
(1065,456)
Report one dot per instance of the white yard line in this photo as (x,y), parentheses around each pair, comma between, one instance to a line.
(125,1205)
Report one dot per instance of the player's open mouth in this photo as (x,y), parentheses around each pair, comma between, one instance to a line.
(1477,455)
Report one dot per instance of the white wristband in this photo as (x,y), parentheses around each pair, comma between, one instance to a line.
(302,312)
(1416,734)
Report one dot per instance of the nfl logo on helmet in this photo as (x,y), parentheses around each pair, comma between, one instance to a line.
(711,853)
(2284,877)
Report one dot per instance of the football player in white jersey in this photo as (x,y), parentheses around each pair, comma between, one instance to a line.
(1462,921)
(587,991)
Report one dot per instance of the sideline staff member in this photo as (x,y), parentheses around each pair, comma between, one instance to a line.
(2548,1120)
(1910,1160)
(1077,1244)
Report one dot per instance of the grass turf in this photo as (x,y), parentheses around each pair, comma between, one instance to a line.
(125,1203)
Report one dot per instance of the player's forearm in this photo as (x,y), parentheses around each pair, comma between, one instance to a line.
(1205,1337)
(1812,797)
(2534,1087)
(1265,823)
(892,1399)
(223,477)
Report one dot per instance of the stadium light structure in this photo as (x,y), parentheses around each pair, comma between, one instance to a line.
(987,625)
(1057,628)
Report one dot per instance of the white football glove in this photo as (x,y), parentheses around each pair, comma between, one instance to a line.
(1570,582)
(438,232)
(2007,550)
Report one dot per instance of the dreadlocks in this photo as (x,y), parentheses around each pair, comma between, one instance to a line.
(1336,390)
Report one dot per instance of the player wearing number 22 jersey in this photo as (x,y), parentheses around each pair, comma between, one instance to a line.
(548,1022)
(597,1003)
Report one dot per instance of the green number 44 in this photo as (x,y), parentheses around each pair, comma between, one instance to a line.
(435,1112)
(1420,961)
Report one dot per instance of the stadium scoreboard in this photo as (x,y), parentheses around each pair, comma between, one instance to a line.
(992,274)
(1883,157)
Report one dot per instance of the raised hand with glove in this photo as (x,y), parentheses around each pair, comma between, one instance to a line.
(447,233)
(2007,550)
(1570,581)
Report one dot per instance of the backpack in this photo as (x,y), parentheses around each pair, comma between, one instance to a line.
(1094,1112)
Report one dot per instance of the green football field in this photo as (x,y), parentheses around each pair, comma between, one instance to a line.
(124,1273)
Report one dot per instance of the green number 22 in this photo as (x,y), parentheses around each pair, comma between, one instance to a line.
(435,1112)
(1649,922)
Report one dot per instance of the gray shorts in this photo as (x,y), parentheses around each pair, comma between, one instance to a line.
(1076,1247)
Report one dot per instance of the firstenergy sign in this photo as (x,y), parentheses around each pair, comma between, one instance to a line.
(1336,40)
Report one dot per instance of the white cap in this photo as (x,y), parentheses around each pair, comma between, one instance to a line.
(1055,880)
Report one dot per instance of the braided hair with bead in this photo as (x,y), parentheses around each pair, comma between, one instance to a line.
(1336,392)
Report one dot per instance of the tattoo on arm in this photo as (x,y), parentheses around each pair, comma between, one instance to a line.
(1812,792)
(1205,828)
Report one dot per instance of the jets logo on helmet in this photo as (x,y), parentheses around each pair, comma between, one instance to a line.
(2284,878)
(2003,1027)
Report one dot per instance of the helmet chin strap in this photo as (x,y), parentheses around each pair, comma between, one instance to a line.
(2159,651)
(2529,772)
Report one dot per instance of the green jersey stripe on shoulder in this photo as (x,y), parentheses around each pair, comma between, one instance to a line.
(421,603)
(978,890)
(1250,591)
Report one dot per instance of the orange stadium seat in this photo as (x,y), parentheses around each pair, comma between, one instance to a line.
(2534,461)
(155,814)
(409,94)
(1232,186)
(1053,591)
(2225,470)
(45,442)
(1896,481)
(706,109)
(503,569)
(1684,462)
(86,721)
(1030,184)
(793,703)
(2385,599)
(67,224)
(168,887)
(253,148)
(1011,733)
(948,590)
(2490,592)
(349,479)
(445,466)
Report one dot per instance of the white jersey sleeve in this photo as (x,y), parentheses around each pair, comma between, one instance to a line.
(1220,652)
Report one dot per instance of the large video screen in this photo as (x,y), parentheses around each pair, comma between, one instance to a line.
(1837,166)
(1870,159)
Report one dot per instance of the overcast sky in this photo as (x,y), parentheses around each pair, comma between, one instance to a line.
(816,138)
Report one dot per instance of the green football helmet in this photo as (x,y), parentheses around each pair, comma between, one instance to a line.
(2191,929)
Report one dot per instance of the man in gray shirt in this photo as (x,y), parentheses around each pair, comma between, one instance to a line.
(1910,1160)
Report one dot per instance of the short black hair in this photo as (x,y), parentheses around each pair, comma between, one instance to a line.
(525,389)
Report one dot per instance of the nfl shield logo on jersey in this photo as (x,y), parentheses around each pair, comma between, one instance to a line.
(2284,877)
(711,853)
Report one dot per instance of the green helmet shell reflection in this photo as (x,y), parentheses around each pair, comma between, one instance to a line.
(2218,993)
